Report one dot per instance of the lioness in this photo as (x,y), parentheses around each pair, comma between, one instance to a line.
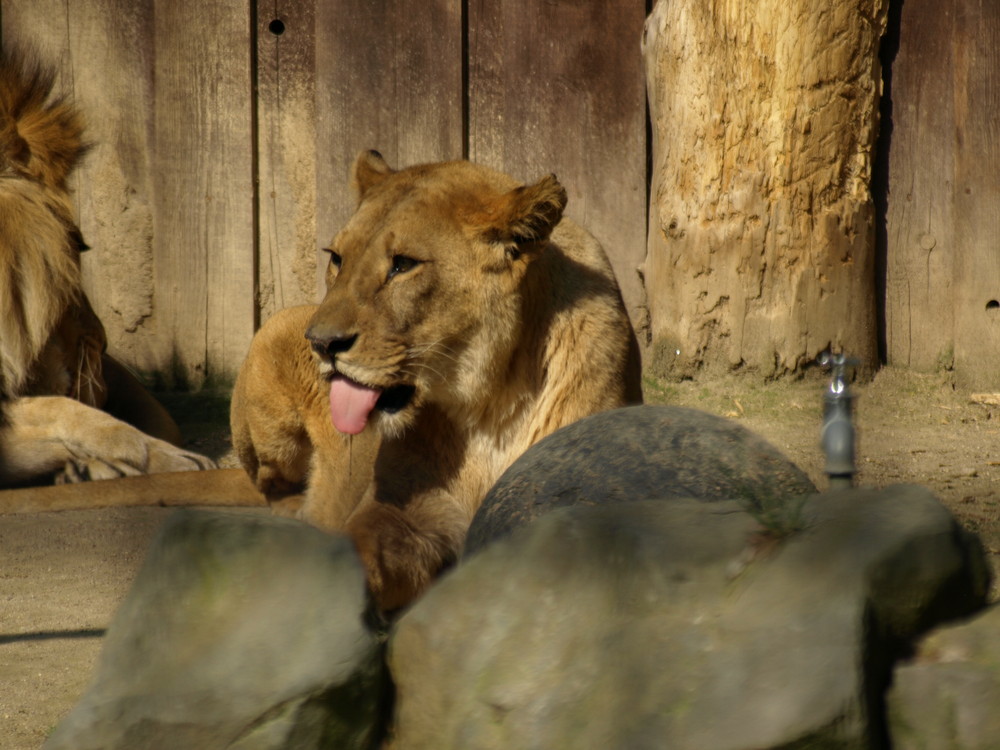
(54,372)
(464,320)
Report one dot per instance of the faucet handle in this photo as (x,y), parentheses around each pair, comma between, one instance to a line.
(831,360)
(838,365)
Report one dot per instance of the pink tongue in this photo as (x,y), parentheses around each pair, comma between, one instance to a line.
(350,405)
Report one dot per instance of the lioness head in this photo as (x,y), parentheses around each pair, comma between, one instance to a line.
(423,300)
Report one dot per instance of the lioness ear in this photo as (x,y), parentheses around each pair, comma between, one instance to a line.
(531,213)
(369,170)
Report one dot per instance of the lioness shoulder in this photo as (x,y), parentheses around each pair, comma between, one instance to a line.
(464,320)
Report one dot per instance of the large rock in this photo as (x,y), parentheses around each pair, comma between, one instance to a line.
(639,453)
(948,696)
(682,625)
(241,631)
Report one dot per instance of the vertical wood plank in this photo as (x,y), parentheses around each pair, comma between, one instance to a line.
(103,51)
(203,232)
(286,142)
(942,263)
(388,77)
(976,287)
(921,243)
(166,197)
(558,87)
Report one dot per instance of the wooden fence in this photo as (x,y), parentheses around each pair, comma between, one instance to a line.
(941,151)
(224,132)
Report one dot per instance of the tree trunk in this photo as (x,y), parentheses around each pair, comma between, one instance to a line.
(760,252)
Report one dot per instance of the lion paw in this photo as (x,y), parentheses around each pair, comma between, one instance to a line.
(165,457)
(158,457)
(91,469)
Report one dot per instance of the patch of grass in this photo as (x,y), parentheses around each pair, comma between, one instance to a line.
(946,359)
(655,391)
(740,396)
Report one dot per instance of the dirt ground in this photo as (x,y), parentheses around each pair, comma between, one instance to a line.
(62,575)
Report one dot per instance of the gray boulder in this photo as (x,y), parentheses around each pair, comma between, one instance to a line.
(686,625)
(948,695)
(638,453)
(240,631)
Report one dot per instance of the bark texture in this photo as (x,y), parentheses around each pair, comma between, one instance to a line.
(761,238)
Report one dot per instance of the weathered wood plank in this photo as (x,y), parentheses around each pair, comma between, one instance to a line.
(286,141)
(942,264)
(976,286)
(921,247)
(558,87)
(103,50)
(389,77)
(203,229)
(166,197)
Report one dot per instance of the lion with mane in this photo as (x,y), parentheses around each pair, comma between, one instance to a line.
(464,320)
(55,376)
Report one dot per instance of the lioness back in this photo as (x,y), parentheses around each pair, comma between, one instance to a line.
(464,320)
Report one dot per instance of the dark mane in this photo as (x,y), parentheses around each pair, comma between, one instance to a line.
(41,141)
(41,135)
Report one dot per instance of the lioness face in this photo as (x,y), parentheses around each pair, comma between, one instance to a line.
(423,302)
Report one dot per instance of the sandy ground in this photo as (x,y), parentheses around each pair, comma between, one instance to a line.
(62,575)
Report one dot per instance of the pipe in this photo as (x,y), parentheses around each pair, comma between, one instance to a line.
(837,434)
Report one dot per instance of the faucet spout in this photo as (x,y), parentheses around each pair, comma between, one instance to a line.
(837,435)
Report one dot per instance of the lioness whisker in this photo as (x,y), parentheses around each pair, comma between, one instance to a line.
(435,348)
(413,374)
(439,346)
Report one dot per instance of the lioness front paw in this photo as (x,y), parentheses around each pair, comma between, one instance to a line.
(400,562)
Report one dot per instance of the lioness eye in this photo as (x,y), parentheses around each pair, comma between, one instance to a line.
(334,256)
(402,264)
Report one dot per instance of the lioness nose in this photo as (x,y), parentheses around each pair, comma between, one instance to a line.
(330,343)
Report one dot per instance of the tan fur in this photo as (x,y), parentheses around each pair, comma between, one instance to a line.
(509,326)
(221,487)
(54,372)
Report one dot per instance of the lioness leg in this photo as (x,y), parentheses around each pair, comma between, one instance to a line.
(404,551)
(49,434)
(341,473)
(275,399)
(282,433)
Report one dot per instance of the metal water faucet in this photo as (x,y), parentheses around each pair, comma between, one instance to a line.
(837,434)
